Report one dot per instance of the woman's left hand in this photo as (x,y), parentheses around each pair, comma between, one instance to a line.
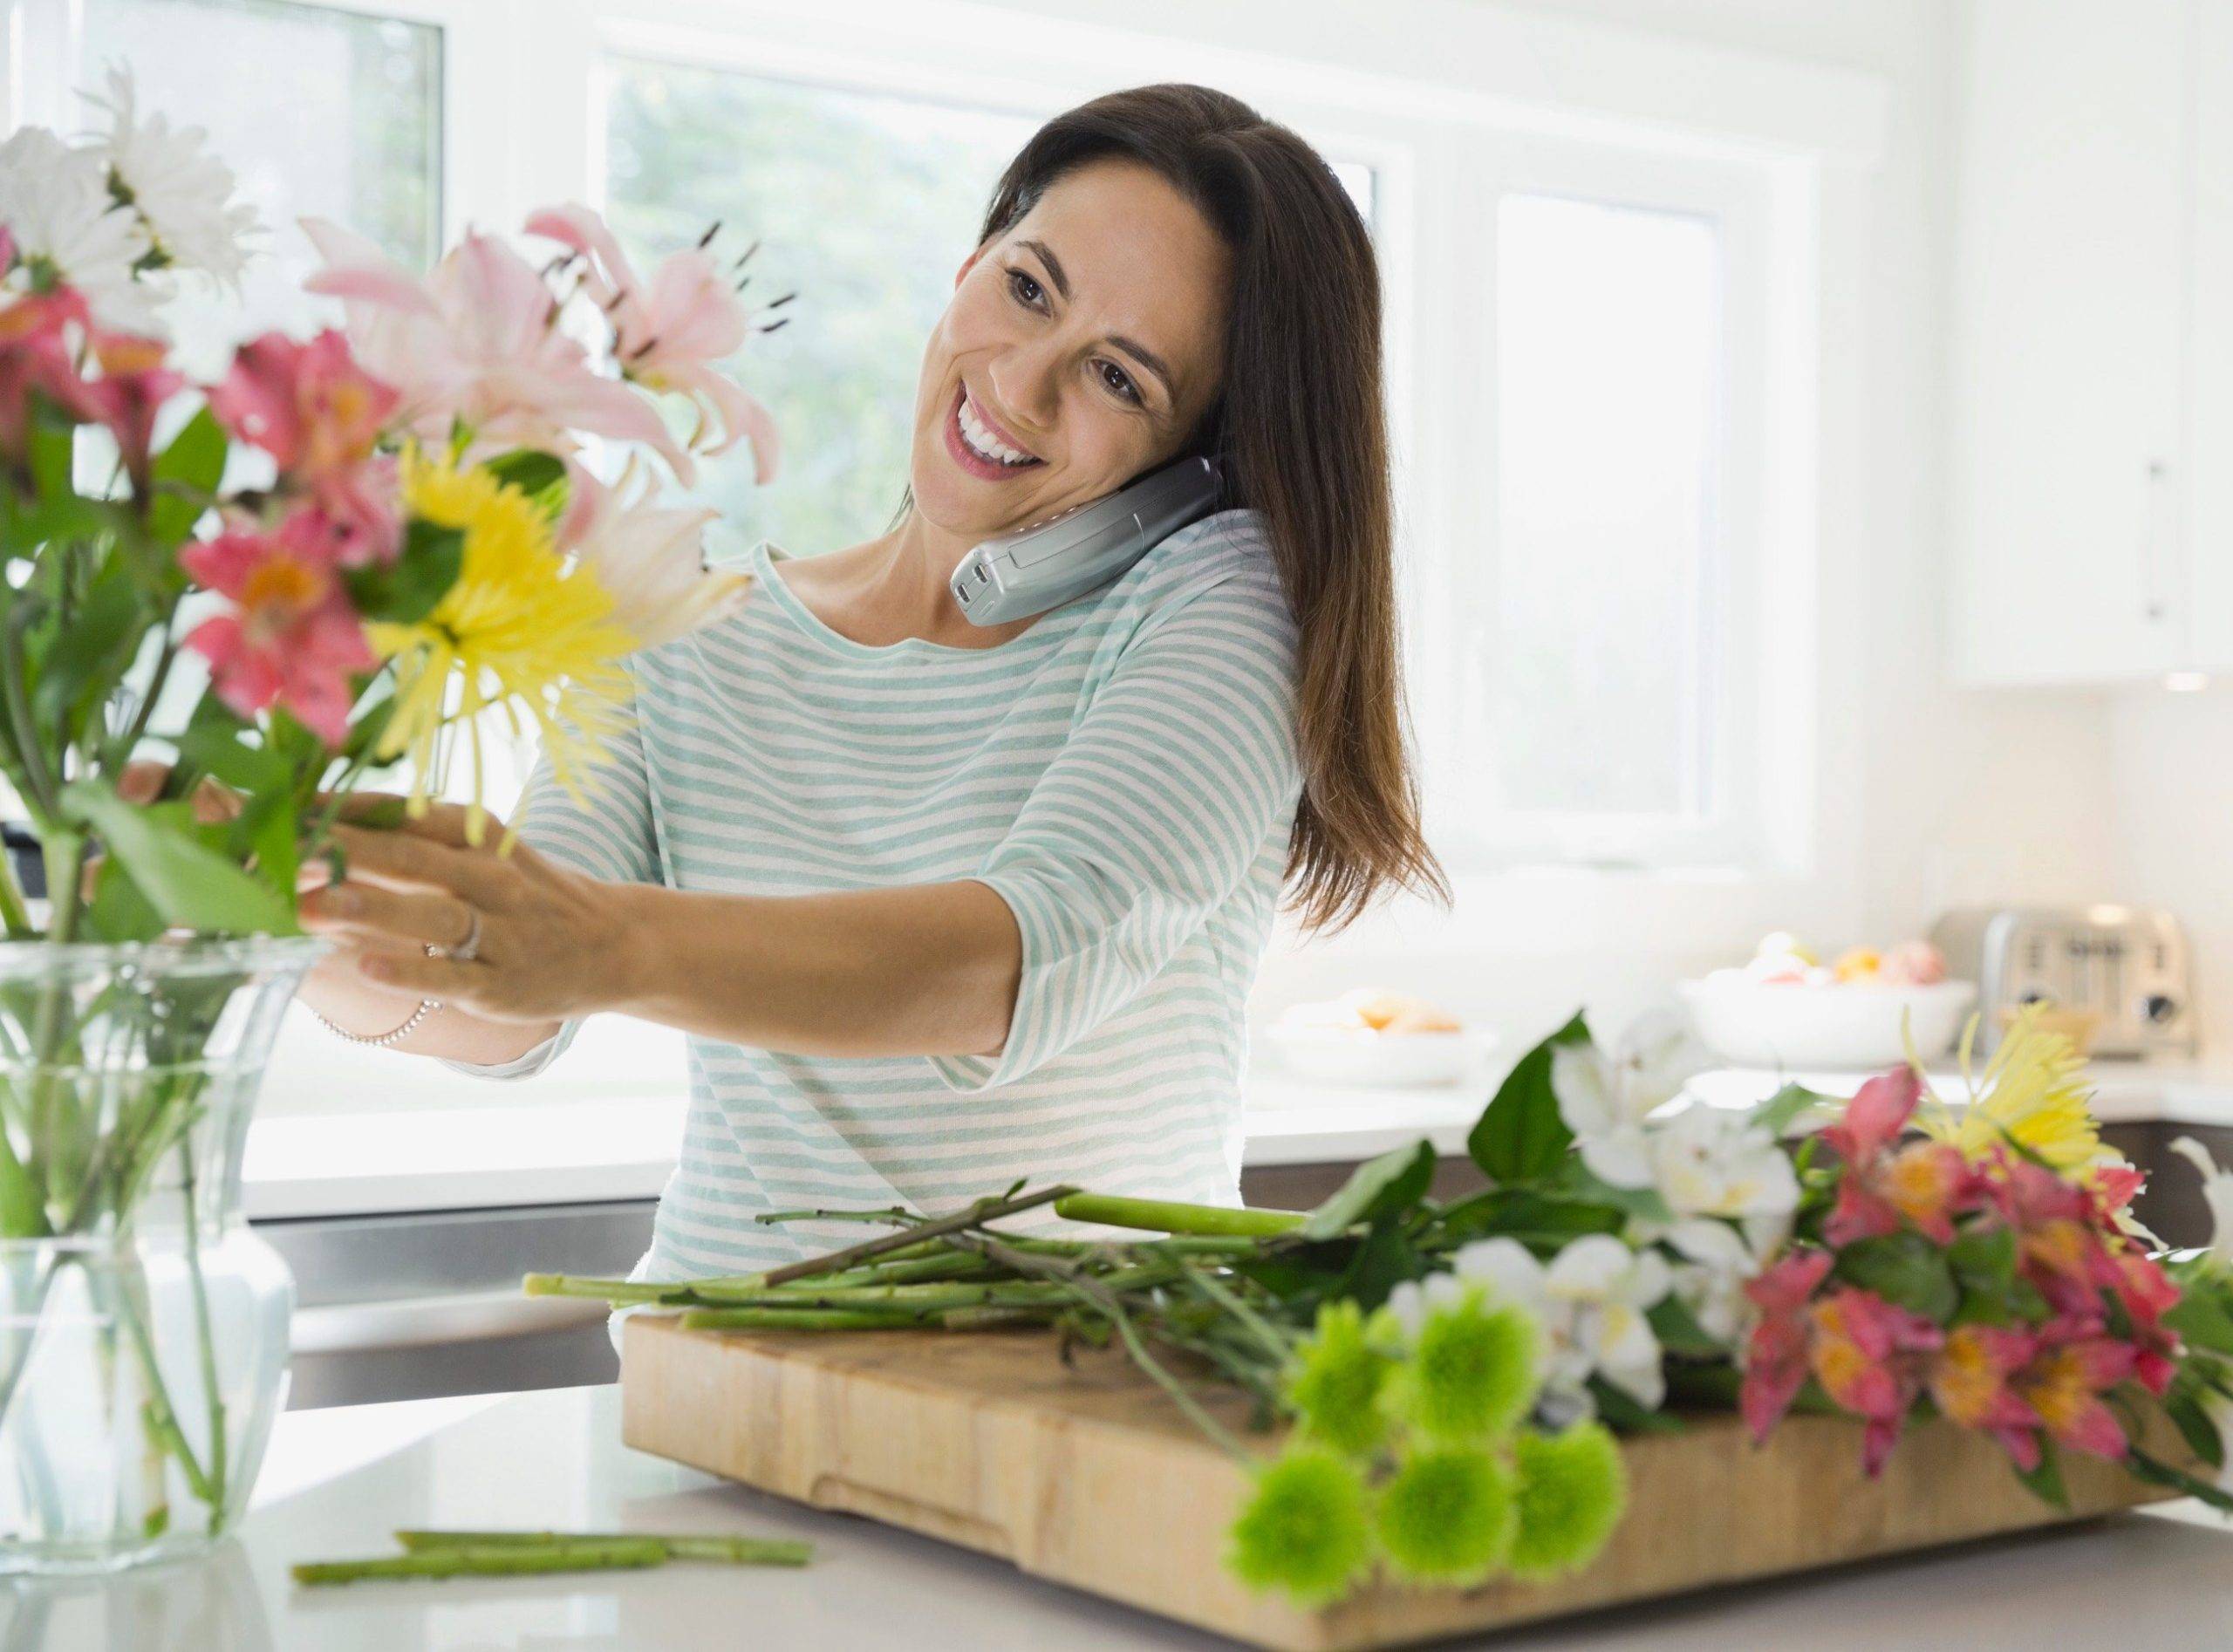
(539,941)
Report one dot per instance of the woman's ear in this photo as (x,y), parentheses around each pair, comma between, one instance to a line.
(968,264)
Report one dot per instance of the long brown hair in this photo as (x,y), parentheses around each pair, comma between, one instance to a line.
(1301,436)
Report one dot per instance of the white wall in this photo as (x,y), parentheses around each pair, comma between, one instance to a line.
(2172,793)
(1934,797)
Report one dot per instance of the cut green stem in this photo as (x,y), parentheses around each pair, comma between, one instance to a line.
(679,1545)
(1163,1216)
(497,1560)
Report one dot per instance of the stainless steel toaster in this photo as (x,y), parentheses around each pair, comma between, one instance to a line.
(2126,965)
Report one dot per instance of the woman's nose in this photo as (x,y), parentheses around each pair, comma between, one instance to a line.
(1024,379)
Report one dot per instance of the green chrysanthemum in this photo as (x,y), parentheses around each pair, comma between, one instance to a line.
(1337,1380)
(1448,1514)
(1573,1489)
(1307,1530)
(1473,1371)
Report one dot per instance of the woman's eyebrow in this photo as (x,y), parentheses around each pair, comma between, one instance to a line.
(1136,350)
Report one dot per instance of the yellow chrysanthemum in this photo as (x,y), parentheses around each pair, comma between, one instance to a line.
(2033,1093)
(520,628)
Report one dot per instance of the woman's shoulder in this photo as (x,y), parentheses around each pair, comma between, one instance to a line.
(1226,556)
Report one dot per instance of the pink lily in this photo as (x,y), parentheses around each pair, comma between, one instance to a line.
(649,559)
(477,342)
(1927,1184)
(290,638)
(36,357)
(668,333)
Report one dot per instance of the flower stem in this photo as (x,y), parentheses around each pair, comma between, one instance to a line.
(1164,1215)
(679,1545)
(799,1319)
(501,1560)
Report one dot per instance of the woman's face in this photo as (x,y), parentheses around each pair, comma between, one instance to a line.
(1080,349)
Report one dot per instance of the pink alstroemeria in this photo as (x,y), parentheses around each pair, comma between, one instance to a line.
(1775,1353)
(669,332)
(290,638)
(36,356)
(1927,1184)
(2064,1384)
(136,379)
(1968,1383)
(1869,1357)
(477,342)
(650,559)
(320,414)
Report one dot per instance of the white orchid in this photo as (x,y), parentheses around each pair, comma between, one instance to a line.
(1712,1161)
(2216,1192)
(181,196)
(1592,1300)
(1719,1261)
(1605,1098)
(65,227)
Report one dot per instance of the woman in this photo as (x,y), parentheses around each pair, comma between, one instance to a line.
(943,907)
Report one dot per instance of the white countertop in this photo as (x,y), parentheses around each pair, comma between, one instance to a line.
(622,1145)
(337,1482)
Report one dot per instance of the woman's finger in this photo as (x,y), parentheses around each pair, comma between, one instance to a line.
(360,908)
(399,860)
(446,823)
(443,979)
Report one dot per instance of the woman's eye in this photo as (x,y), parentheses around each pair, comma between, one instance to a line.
(1120,381)
(1026,289)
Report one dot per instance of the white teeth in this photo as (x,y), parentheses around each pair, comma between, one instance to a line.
(983,442)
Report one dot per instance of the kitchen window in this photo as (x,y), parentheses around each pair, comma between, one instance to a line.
(1598,340)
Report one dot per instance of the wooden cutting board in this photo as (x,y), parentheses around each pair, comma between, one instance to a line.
(1086,1474)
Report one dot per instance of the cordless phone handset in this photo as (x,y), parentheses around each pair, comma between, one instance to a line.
(1042,566)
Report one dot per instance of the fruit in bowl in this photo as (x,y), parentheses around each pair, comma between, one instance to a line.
(1783,1010)
(1372,1036)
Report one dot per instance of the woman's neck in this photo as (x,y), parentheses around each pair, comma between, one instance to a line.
(894,587)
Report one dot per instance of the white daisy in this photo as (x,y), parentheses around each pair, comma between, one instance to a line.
(55,202)
(182,196)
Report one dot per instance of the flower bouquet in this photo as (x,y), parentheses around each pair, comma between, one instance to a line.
(1456,1387)
(225,606)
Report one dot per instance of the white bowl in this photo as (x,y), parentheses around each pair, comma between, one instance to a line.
(1786,1025)
(1360,1055)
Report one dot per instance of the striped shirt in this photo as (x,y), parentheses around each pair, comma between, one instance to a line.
(1123,773)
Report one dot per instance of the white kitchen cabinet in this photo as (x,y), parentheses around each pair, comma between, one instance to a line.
(2210,493)
(2075,477)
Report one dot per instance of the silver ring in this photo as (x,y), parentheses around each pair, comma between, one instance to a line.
(469,949)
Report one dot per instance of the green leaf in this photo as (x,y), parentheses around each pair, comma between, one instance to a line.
(52,454)
(1384,1261)
(1778,1113)
(2195,1427)
(89,657)
(1906,1270)
(185,880)
(1528,1211)
(407,588)
(1985,1260)
(226,754)
(2201,1321)
(2156,1471)
(540,475)
(1679,1332)
(1383,1187)
(119,912)
(1519,1136)
(1645,1204)
(2045,1480)
(1624,1414)
(183,475)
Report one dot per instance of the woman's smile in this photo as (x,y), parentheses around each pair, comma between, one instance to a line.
(981,446)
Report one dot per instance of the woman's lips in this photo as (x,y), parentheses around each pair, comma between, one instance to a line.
(985,469)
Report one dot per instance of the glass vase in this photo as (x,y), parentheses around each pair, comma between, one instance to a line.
(143,1328)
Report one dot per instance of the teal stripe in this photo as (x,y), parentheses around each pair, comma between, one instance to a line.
(1123,774)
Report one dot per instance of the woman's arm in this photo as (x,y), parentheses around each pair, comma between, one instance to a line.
(921,970)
